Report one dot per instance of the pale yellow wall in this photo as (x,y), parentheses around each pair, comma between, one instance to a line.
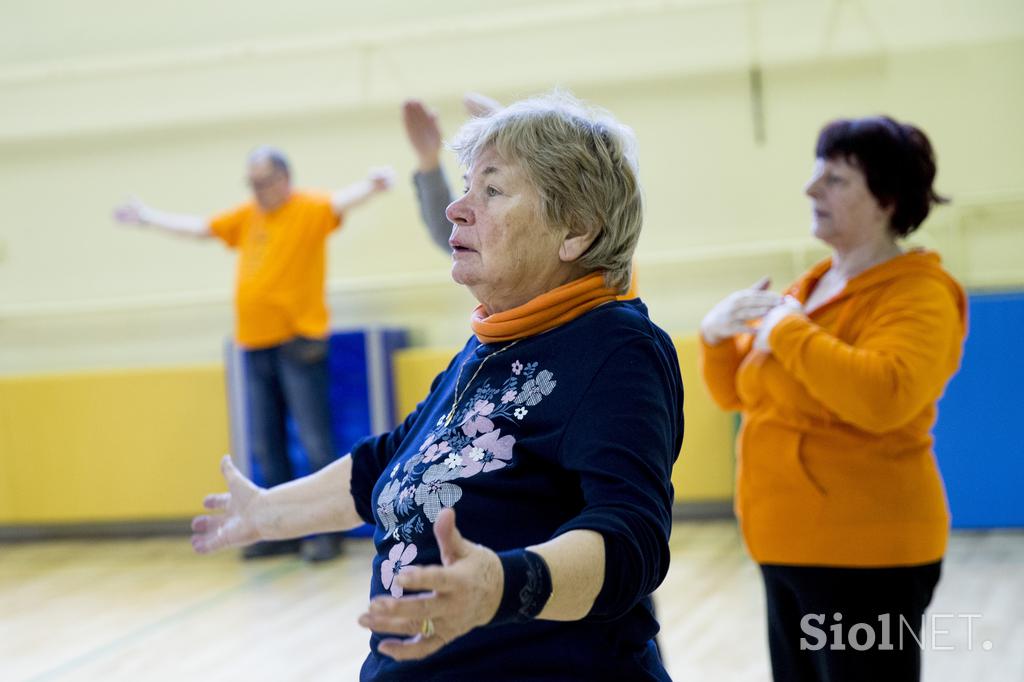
(164,102)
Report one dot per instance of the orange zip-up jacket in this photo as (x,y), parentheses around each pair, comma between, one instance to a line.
(835,461)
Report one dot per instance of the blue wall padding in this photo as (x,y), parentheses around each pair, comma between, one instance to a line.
(978,439)
(393,340)
(349,390)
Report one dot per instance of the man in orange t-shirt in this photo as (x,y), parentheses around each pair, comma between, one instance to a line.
(280,312)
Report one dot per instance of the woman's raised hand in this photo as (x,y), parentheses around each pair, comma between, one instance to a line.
(424,133)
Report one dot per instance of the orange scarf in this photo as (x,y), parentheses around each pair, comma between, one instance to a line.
(544,312)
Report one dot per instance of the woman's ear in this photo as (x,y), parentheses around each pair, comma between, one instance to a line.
(575,245)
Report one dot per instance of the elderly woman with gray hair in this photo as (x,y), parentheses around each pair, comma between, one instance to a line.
(552,433)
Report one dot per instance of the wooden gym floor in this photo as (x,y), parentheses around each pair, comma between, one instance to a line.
(152,610)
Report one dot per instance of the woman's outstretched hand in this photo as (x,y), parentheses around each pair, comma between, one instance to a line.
(236,525)
(462,593)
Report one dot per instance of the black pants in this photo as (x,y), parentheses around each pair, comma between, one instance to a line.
(847,624)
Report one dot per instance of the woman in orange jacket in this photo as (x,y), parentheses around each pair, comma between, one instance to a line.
(838,493)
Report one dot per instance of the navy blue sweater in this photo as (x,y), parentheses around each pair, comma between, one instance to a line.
(575,428)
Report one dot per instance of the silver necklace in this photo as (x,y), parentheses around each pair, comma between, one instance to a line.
(459,395)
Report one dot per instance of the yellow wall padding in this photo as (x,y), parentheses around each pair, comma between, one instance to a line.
(118,445)
(414,369)
(144,444)
(704,471)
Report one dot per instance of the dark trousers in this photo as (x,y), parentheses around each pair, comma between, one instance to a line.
(288,379)
(836,612)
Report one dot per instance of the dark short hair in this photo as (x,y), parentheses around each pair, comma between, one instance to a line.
(274,155)
(897,160)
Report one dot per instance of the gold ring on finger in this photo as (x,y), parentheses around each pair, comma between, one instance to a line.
(427,628)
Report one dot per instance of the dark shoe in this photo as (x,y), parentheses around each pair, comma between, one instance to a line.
(270,548)
(321,548)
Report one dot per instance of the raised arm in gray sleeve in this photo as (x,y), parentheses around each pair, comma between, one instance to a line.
(434,195)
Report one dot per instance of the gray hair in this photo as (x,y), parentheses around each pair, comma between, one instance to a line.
(581,161)
(274,155)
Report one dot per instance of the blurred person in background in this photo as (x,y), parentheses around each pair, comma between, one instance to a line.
(281,318)
(553,432)
(433,193)
(839,496)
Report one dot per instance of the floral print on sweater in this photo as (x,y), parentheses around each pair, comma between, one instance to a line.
(471,444)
